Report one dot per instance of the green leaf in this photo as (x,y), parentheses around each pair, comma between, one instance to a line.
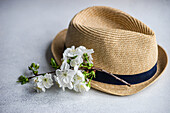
(86,58)
(29,67)
(54,64)
(84,66)
(53,61)
(92,72)
(89,84)
(33,65)
(90,64)
(68,61)
(89,67)
(35,72)
(23,80)
(37,66)
(85,55)
(27,80)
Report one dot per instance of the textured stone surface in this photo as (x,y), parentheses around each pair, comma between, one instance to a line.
(27,29)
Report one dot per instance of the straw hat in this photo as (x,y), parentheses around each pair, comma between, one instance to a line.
(123,46)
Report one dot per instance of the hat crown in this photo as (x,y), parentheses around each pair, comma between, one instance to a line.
(122,44)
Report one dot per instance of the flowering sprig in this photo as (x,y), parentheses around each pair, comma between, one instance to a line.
(34,68)
(76,72)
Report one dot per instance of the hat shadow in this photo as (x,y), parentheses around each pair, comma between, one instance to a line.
(48,54)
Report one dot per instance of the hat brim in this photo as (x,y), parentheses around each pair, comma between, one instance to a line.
(57,49)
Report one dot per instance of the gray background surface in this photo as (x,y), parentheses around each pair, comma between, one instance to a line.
(27,29)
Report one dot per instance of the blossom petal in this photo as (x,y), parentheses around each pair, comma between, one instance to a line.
(64,65)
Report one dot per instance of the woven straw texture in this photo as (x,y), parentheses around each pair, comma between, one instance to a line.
(122,44)
(57,49)
(124,89)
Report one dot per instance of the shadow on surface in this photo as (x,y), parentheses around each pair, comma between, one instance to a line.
(49,54)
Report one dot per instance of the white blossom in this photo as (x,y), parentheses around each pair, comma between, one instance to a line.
(42,82)
(38,85)
(71,52)
(79,51)
(90,58)
(76,62)
(46,80)
(79,77)
(81,87)
(84,50)
(65,78)
(64,65)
